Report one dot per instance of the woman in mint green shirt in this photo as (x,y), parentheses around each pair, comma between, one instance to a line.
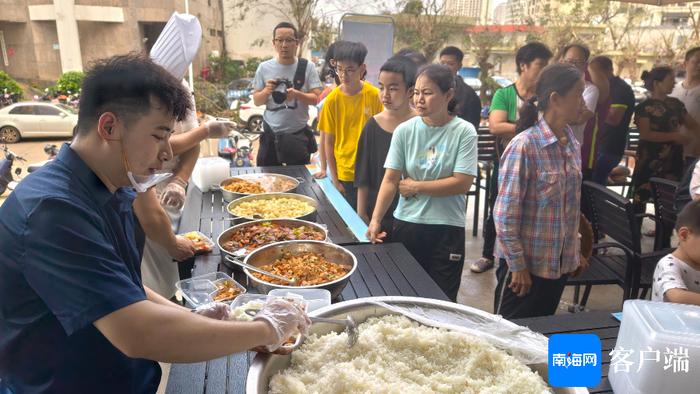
(432,162)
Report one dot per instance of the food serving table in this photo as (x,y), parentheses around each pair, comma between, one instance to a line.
(382,270)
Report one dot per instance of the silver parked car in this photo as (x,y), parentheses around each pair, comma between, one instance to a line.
(36,119)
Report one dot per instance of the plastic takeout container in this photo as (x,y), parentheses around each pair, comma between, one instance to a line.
(245,299)
(202,289)
(672,330)
(209,243)
(315,298)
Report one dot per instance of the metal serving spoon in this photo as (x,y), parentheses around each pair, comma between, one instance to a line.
(291,281)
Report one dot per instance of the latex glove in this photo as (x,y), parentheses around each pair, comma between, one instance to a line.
(183,248)
(174,193)
(219,128)
(285,318)
(214,310)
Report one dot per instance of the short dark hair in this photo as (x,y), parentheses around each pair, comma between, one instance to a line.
(404,66)
(657,74)
(125,85)
(604,62)
(345,51)
(453,51)
(416,57)
(443,77)
(689,217)
(285,25)
(559,78)
(580,47)
(530,52)
(691,52)
(328,69)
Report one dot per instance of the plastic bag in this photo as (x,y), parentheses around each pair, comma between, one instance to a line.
(527,346)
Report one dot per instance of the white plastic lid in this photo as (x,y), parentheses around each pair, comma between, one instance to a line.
(315,298)
(665,318)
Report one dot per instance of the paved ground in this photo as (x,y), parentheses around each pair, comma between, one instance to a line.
(33,151)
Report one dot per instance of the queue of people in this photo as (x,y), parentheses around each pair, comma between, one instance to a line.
(96,225)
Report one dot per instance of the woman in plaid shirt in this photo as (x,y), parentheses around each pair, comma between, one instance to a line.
(538,205)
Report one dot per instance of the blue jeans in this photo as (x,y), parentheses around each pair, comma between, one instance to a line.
(604,163)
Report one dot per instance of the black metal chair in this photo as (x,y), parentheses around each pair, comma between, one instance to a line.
(632,270)
(663,192)
(486,154)
(630,153)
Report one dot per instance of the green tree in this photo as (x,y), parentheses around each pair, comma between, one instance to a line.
(69,82)
(251,65)
(224,69)
(481,41)
(9,85)
(299,12)
(210,98)
(323,34)
(424,26)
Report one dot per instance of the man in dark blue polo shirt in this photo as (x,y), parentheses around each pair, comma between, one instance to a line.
(74,315)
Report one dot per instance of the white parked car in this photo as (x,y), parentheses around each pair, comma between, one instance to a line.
(36,119)
(252,115)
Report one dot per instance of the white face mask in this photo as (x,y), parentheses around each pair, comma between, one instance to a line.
(143,182)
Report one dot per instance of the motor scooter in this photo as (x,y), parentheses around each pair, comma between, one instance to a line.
(51,151)
(7,181)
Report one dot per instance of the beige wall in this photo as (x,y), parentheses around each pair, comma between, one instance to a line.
(18,39)
(48,59)
(99,40)
(241,34)
(257,26)
(33,41)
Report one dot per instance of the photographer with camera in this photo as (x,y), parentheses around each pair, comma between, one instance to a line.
(287,86)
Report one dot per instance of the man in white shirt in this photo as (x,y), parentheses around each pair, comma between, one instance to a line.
(688,92)
(577,55)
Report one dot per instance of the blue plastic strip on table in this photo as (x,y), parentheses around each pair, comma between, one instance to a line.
(350,217)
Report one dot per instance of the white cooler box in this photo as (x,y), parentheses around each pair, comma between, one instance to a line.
(672,330)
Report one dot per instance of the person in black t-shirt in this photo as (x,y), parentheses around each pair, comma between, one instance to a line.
(614,132)
(396,79)
(468,102)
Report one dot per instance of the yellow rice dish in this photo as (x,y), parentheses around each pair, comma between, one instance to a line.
(273,208)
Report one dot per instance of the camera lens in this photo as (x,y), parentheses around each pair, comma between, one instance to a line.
(279,97)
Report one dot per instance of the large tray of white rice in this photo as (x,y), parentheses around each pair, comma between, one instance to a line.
(394,354)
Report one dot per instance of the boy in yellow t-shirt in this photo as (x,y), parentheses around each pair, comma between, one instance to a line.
(345,112)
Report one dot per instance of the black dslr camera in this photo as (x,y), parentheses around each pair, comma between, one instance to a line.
(279,95)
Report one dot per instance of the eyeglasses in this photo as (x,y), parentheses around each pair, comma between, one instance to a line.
(575,62)
(346,71)
(288,41)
